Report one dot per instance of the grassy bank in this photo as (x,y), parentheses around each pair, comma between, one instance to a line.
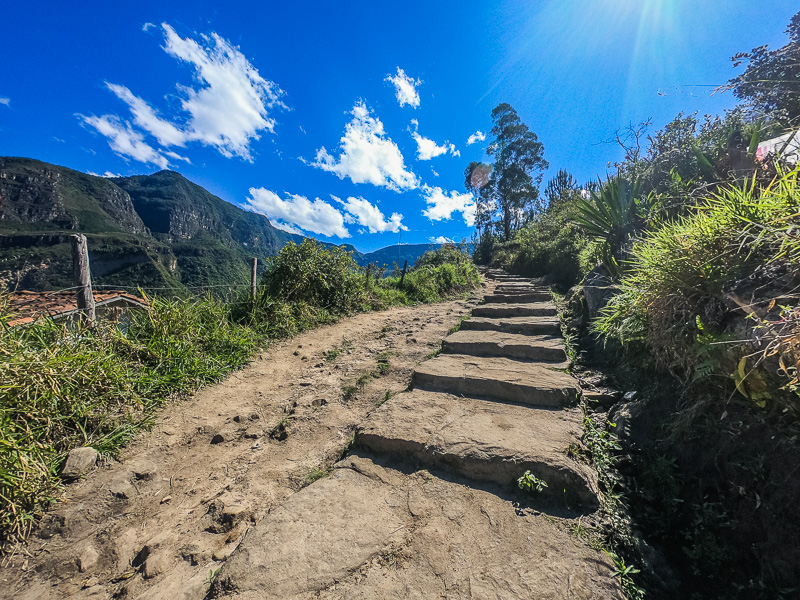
(65,387)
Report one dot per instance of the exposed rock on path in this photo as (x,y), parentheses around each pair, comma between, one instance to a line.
(425,505)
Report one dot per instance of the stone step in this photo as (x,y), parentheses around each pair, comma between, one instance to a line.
(507,345)
(518,287)
(499,379)
(482,440)
(371,531)
(502,276)
(530,309)
(517,297)
(520,325)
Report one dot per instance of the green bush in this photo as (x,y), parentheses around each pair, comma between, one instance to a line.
(678,272)
(324,277)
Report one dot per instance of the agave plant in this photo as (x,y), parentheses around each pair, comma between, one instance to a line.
(610,215)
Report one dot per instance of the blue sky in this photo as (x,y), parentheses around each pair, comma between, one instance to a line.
(350,121)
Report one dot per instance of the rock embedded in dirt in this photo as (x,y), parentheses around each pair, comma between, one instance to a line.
(121,488)
(144,471)
(318,402)
(217,438)
(253,433)
(194,553)
(88,559)
(156,564)
(79,462)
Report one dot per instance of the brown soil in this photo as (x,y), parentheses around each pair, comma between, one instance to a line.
(159,521)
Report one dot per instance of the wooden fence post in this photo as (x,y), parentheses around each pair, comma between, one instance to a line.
(403,274)
(82,276)
(253,279)
(369,268)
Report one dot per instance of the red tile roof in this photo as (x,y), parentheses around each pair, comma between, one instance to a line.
(29,306)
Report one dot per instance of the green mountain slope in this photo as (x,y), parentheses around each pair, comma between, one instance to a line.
(154,231)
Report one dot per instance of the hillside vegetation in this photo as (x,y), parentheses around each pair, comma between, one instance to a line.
(688,260)
(67,386)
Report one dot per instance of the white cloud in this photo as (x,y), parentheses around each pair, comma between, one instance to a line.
(364,213)
(405,88)
(231,109)
(287,228)
(146,117)
(478,136)
(297,211)
(125,140)
(427,148)
(367,155)
(442,205)
(441,240)
(177,156)
(226,109)
(5,101)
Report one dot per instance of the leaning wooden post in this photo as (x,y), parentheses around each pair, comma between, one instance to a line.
(403,274)
(253,276)
(369,268)
(82,275)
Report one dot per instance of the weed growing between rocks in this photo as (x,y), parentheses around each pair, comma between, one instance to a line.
(601,449)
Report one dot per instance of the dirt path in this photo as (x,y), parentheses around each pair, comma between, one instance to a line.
(159,522)
(426,505)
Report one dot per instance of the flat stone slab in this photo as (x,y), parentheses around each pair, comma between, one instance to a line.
(501,275)
(518,287)
(419,537)
(482,440)
(507,345)
(520,325)
(516,298)
(317,536)
(530,309)
(499,379)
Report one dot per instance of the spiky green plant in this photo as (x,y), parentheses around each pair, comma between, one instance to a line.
(611,215)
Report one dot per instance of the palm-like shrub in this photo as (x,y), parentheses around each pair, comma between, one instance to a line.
(611,216)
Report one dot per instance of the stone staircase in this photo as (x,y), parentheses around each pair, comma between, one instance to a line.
(491,406)
(432,464)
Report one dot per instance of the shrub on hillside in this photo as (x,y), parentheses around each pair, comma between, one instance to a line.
(677,285)
(323,277)
(447,253)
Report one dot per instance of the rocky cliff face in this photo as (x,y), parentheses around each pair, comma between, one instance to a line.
(158,230)
(36,196)
(175,209)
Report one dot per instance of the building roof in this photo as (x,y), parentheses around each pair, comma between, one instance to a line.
(29,306)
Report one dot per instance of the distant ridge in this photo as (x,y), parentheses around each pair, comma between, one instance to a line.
(154,231)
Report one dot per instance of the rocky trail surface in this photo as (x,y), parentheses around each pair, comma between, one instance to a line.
(424,505)
(343,464)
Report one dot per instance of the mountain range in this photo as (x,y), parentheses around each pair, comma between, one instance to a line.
(157,231)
